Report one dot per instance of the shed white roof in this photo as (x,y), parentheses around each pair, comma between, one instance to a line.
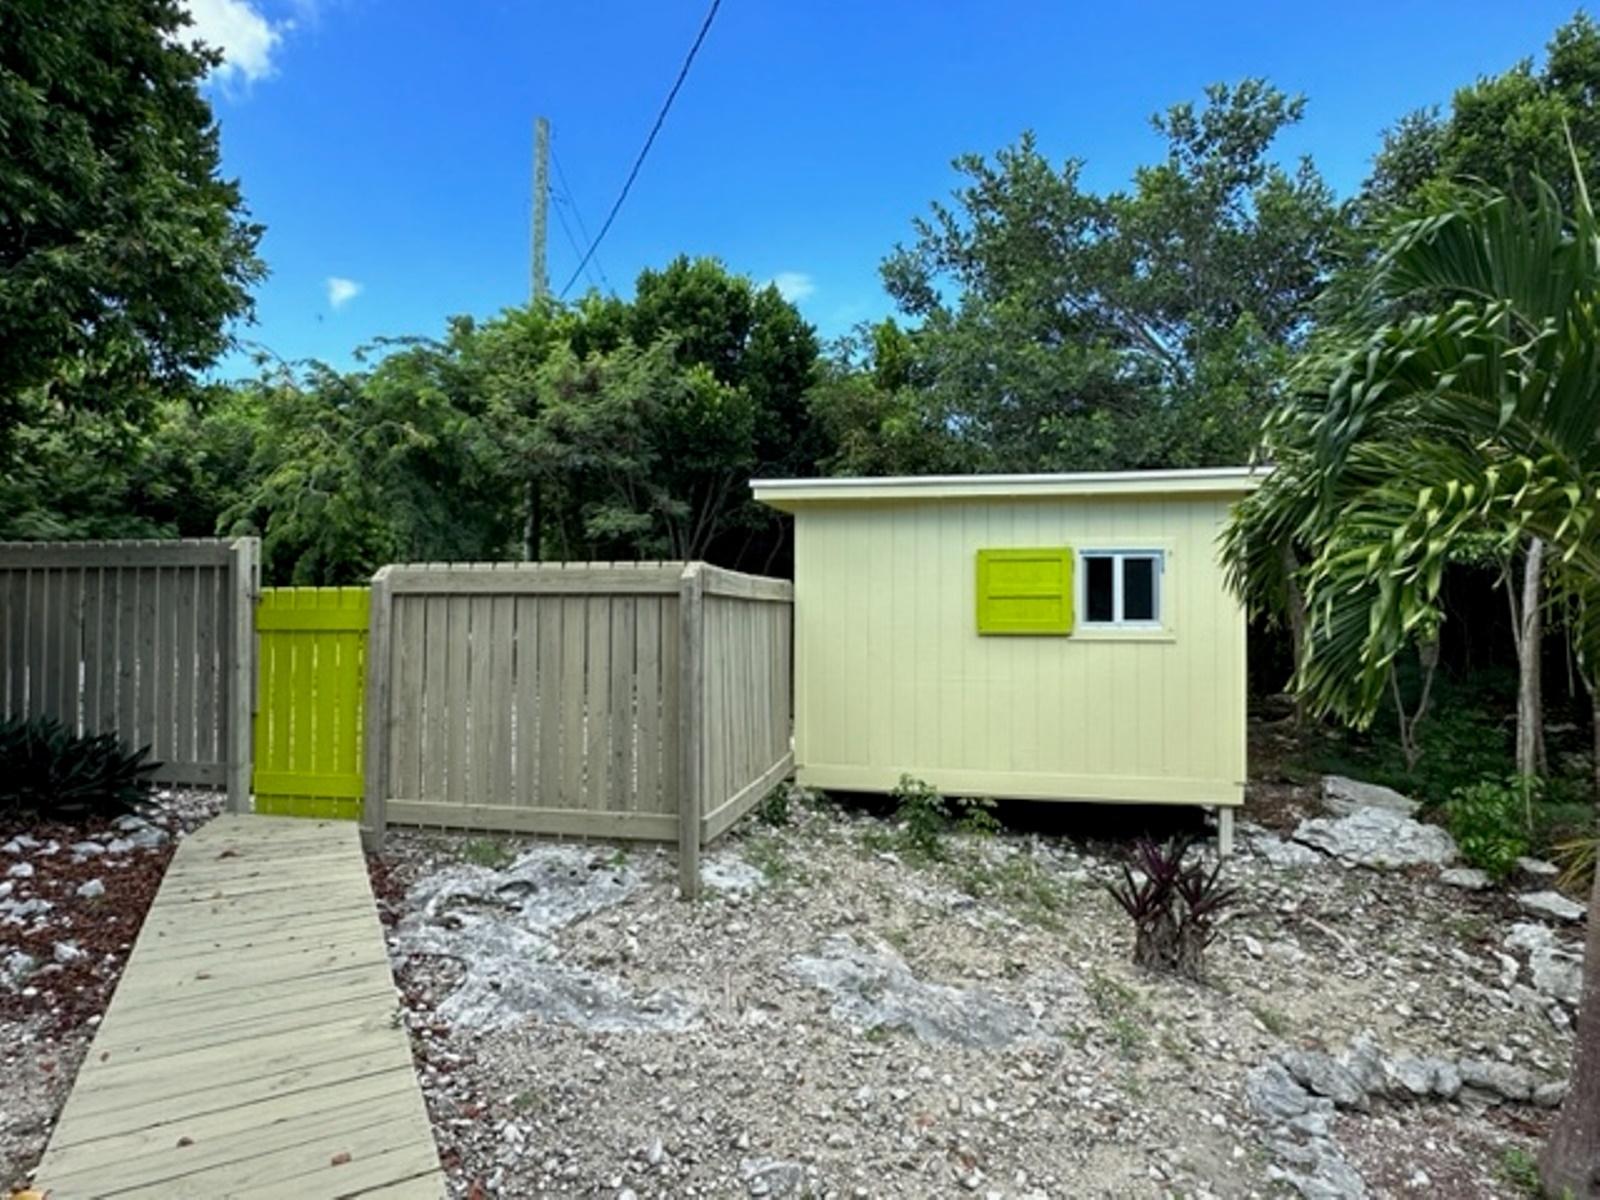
(790,493)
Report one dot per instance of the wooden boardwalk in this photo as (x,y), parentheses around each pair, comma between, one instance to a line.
(253,1047)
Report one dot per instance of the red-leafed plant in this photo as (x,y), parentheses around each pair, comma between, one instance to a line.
(1174,906)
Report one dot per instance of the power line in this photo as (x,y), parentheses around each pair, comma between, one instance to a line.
(577,250)
(572,202)
(683,73)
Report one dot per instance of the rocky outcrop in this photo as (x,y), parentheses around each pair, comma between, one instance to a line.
(1379,838)
(1297,1093)
(874,989)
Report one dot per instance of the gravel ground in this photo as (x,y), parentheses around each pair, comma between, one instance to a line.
(838,1018)
(72,899)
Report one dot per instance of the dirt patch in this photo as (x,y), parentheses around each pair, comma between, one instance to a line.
(74,898)
(794,1080)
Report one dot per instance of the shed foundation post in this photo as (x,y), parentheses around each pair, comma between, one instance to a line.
(1225,830)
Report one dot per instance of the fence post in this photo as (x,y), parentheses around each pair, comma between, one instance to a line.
(244,577)
(375,765)
(691,726)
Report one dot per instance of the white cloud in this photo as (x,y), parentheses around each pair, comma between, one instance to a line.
(246,39)
(341,291)
(793,285)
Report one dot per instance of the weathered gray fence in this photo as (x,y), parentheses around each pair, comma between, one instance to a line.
(644,700)
(736,725)
(151,640)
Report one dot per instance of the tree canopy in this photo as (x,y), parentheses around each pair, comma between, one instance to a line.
(123,253)
(1058,328)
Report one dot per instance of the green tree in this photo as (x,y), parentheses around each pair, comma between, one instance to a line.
(735,348)
(1062,329)
(1463,400)
(347,471)
(639,456)
(1505,131)
(123,254)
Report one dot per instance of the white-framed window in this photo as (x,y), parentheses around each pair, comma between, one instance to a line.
(1120,589)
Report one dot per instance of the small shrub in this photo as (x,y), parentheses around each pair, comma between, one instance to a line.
(1174,907)
(924,813)
(926,817)
(774,808)
(977,816)
(47,771)
(492,853)
(1489,821)
(1521,1171)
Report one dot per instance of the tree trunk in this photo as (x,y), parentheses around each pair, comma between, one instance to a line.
(1297,623)
(1530,688)
(1428,657)
(1569,1164)
(1594,750)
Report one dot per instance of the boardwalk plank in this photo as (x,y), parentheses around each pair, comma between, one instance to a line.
(253,1046)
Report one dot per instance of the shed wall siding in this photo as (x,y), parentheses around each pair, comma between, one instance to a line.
(892,676)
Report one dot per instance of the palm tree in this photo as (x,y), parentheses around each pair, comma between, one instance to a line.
(1460,398)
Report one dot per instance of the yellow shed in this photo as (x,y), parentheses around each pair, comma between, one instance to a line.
(1047,637)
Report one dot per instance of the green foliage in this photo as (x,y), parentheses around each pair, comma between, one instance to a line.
(1490,822)
(975,816)
(1505,130)
(123,254)
(49,772)
(1063,329)
(1457,401)
(492,853)
(1022,884)
(774,809)
(1521,1170)
(1465,739)
(924,817)
(768,855)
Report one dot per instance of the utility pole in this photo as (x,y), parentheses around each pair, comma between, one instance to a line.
(541,205)
(533,516)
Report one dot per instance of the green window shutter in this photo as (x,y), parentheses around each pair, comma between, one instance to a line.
(1025,591)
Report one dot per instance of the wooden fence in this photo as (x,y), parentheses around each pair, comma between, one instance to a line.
(150,640)
(642,700)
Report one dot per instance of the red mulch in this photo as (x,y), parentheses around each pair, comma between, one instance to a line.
(66,995)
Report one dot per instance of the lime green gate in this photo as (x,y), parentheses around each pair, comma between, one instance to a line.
(312,653)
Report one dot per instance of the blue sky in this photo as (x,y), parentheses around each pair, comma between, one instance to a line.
(385,144)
